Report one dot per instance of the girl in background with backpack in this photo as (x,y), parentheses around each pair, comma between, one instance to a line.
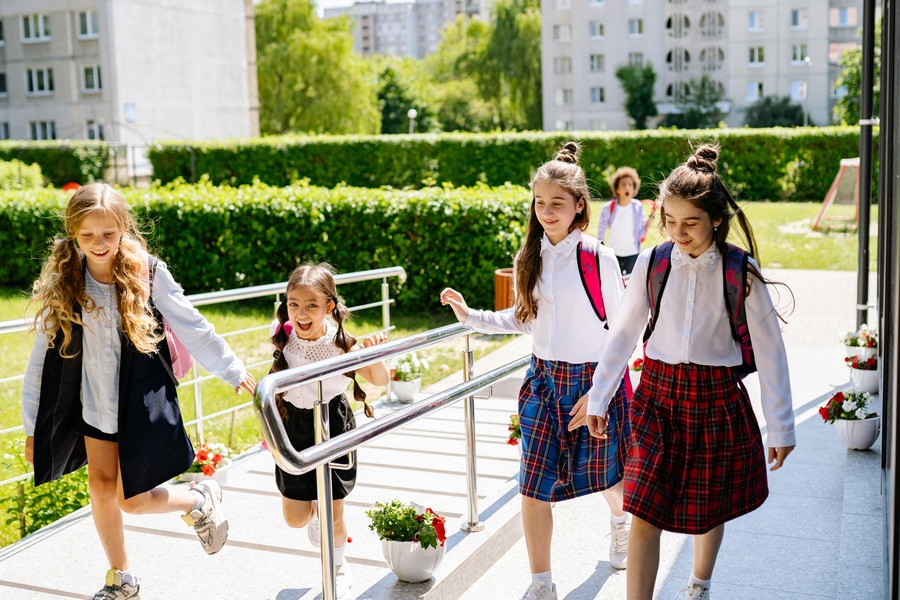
(560,459)
(696,458)
(99,388)
(624,218)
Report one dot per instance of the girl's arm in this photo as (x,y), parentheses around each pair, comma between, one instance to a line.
(772,365)
(198,335)
(483,321)
(31,386)
(377,373)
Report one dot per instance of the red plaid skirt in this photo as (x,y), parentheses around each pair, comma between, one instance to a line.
(695,458)
(558,464)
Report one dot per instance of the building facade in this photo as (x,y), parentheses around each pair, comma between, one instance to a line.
(127,71)
(749,48)
(402,28)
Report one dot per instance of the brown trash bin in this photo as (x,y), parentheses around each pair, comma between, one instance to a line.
(503,289)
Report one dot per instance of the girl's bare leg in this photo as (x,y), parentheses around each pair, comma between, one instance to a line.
(615,498)
(103,485)
(643,559)
(706,550)
(537,520)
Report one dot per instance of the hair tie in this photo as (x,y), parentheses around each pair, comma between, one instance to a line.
(287,327)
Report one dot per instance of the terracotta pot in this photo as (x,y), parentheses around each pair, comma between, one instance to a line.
(858,435)
(411,562)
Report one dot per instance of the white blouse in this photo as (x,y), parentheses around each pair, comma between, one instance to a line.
(566,327)
(692,326)
(299,352)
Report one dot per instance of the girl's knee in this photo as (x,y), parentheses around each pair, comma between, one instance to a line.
(101,487)
(297,519)
(135,505)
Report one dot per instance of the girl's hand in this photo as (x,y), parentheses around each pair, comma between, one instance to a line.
(247,383)
(456,302)
(373,339)
(778,455)
(578,413)
(29,449)
(597,426)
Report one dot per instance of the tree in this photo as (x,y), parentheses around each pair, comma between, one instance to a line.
(772,111)
(846,110)
(310,80)
(697,105)
(395,98)
(637,82)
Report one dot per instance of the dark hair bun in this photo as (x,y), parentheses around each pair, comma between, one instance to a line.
(704,158)
(569,153)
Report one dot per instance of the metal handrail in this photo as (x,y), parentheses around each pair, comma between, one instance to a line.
(327,450)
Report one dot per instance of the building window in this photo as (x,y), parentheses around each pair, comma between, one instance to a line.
(39,81)
(799,18)
(90,79)
(798,90)
(598,95)
(562,33)
(2,39)
(563,4)
(35,28)
(755,90)
(836,50)
(561,125)
(4,130)
(636,59)
(756,56)
(598,124)
(598,63)
(754,21)
(2,83)
(712,58)
(712,24)
(596,29)
(87,25)
(564,96)
(635,27)
(94,130)
(562,65)
(844,16)
(43,130)
(678,60)
(799,53)
(677,25)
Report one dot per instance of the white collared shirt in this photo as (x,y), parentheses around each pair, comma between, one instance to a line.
(692,326)
(566,327)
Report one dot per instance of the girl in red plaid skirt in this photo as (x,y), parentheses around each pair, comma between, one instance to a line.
(560,459)
(695,457)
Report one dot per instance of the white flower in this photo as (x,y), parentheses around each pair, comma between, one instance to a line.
(860,414)
(420,510)
(849,406)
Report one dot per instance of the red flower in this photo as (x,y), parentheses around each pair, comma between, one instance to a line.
(71,186)
(202,454)
(512,442)
(823,412)
(209,470)
(438,523)
(217,458)
(638,364)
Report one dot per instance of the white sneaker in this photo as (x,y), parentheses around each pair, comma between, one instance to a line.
(313,529)
(209,521)
(539,591)
(116,589)
(618,544)
(343,581)
(694,591)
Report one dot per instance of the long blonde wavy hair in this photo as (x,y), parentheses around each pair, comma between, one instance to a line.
(60,286)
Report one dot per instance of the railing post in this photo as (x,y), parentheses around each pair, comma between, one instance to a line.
(473,524)
(321,433)
(386,322)
(198,403)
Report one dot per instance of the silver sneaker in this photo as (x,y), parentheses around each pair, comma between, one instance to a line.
(539,591)
(209,521)
(116,589)
(618,544)
(694,591)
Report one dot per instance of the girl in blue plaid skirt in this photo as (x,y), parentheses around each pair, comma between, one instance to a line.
(560,459)
(695,457)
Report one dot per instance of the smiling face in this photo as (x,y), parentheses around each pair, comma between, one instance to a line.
(688,226)
(98,237)
(556,209)
(307,310)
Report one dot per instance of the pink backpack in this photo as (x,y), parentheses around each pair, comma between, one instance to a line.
(182,361)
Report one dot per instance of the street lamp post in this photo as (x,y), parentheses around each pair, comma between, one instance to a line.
(806,94)
(412,114)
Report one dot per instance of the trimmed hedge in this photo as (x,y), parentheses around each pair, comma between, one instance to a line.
(16,175)
(61,161)
(758,164)
(228,237)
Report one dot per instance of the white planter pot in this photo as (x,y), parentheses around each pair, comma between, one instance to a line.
(411,562)
(866,381)
(862,353)
(858,435)
(220,476)
(406,391)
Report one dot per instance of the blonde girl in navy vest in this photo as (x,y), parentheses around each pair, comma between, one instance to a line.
(96,390)
(696,458)
(560,459)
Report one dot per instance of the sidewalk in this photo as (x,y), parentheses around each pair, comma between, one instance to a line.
(819,535)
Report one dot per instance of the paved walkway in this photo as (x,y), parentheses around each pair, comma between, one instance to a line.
(820,534)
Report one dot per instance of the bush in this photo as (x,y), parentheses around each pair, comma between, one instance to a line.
(61,161)
(16,175)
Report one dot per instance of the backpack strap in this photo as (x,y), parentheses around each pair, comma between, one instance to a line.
(734,271)
(657,275)
(589,268)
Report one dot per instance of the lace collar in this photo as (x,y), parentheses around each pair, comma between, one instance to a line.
(565,247)
(327,337)
(707,261)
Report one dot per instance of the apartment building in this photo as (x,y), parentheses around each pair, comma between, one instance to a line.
(127,71)
(402,28)
(749,48)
